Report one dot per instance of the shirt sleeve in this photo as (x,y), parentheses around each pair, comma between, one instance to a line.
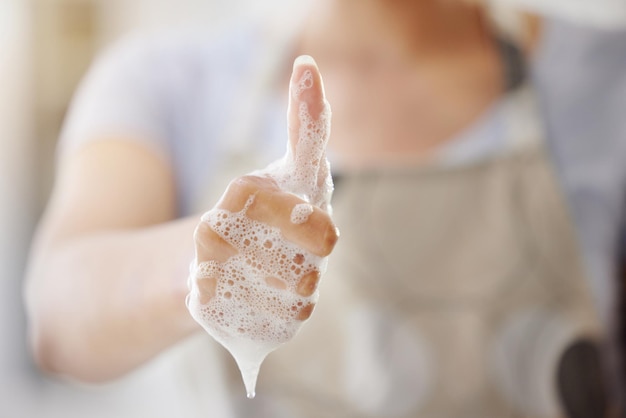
(122,96)
(581,78)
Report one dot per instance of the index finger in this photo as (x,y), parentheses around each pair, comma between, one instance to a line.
(309,127)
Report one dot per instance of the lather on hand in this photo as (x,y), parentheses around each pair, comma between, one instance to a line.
(261,250)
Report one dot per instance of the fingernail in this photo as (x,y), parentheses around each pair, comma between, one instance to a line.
(305,312)
(304,60)
(307,285)
(330,239)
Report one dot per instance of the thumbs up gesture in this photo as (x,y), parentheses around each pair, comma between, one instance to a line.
(261,250)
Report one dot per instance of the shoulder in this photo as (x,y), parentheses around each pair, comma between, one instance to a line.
(177,55)
(137,86)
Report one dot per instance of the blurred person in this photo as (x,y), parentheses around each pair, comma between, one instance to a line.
(479,184)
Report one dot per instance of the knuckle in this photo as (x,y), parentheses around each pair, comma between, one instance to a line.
(240,189)
(210,245)
(202,233)
(242,185)
(237,193)
(251,182)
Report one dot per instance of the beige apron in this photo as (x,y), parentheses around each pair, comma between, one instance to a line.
(453,292)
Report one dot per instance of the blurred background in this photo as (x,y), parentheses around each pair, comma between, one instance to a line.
(45,48)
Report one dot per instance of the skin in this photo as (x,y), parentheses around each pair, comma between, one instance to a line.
(107,281)
(107,278)
(273,205)
(415,73)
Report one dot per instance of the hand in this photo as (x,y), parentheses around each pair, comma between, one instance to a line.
(261,251)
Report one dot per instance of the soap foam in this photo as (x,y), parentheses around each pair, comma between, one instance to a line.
(305,83)
(300,213)
(254,307)
(256,288)
(306,171)
(249,303)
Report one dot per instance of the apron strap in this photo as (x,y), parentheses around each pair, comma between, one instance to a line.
(514,62)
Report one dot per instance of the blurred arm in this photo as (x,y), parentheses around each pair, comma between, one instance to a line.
(107,277)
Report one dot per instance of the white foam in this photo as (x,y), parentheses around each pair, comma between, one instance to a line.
(305,83)
(249,303)
(255,307)
(300,213)
(305,171)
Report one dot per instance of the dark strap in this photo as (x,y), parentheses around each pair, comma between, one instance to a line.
(514,64)
(621,321)
(581,382)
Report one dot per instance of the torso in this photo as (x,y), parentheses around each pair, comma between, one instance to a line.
(396,101)
(400,115)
